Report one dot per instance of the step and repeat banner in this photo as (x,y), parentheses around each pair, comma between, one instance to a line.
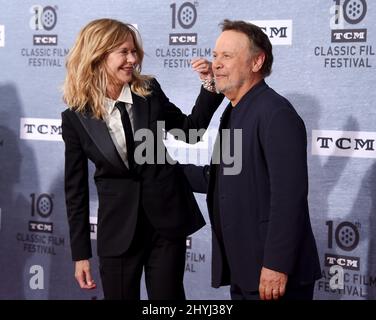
(324,64)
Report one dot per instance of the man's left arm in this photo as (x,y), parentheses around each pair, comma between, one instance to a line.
(286,157)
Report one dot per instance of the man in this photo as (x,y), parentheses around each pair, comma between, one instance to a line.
(263,245)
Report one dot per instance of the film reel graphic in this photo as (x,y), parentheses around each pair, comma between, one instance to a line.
(44,18)
(347,236)
(186,15)
(43,205)
(354,11)
(48,18)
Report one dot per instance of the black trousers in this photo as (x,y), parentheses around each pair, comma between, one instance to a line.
(163,261)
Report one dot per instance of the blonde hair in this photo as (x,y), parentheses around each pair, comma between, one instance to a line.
(86,80)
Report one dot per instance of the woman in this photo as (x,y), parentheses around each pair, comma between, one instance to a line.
(145,210)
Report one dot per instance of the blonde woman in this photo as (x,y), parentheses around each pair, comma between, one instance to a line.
(145,210)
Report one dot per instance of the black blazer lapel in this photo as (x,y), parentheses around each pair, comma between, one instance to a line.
(98,132)
(140,119)
(140,113)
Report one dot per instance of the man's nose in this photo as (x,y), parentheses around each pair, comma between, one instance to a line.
(216,65)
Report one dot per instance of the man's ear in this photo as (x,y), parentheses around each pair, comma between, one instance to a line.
(258,62)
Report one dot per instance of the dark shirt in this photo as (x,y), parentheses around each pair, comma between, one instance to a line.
(218,171)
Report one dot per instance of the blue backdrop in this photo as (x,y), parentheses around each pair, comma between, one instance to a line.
(324,64)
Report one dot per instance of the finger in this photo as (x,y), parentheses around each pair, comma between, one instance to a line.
(275,294)
(195,60)
(201,68)
(262,292)
(84,281)
(90,284)
(200,62)
(80,280)
(268,293)
(282,289)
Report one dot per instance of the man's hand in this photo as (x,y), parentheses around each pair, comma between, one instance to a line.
(272,284)
(83,275)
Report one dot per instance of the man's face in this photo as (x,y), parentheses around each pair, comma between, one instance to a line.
(232,64)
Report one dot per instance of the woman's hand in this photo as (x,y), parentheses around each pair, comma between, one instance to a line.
(203,67)
(83,275)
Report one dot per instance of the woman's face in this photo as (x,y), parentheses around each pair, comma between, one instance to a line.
(121,62)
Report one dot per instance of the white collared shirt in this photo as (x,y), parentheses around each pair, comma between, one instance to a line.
(114,124)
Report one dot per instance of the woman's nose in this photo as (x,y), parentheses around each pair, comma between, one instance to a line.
(131,57)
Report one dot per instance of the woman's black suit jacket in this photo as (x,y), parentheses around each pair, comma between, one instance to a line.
(160,189)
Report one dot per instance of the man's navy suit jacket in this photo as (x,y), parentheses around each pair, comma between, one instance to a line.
(264,209)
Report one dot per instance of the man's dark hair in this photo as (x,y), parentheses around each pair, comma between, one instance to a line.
(259,41)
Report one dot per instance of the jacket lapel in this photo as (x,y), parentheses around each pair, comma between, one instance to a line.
(216,148)
(98,132)
(140,113)
(215,161)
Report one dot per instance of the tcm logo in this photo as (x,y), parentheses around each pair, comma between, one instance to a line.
(350,263)
(45,40)
(2,36)
(40,129)
(41,206)
(183,38)
(43,19)
(93,228)
(185,16)
(357,144)
(359,35)
(346,237)
(278,31)
(37,226)
(350,12)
